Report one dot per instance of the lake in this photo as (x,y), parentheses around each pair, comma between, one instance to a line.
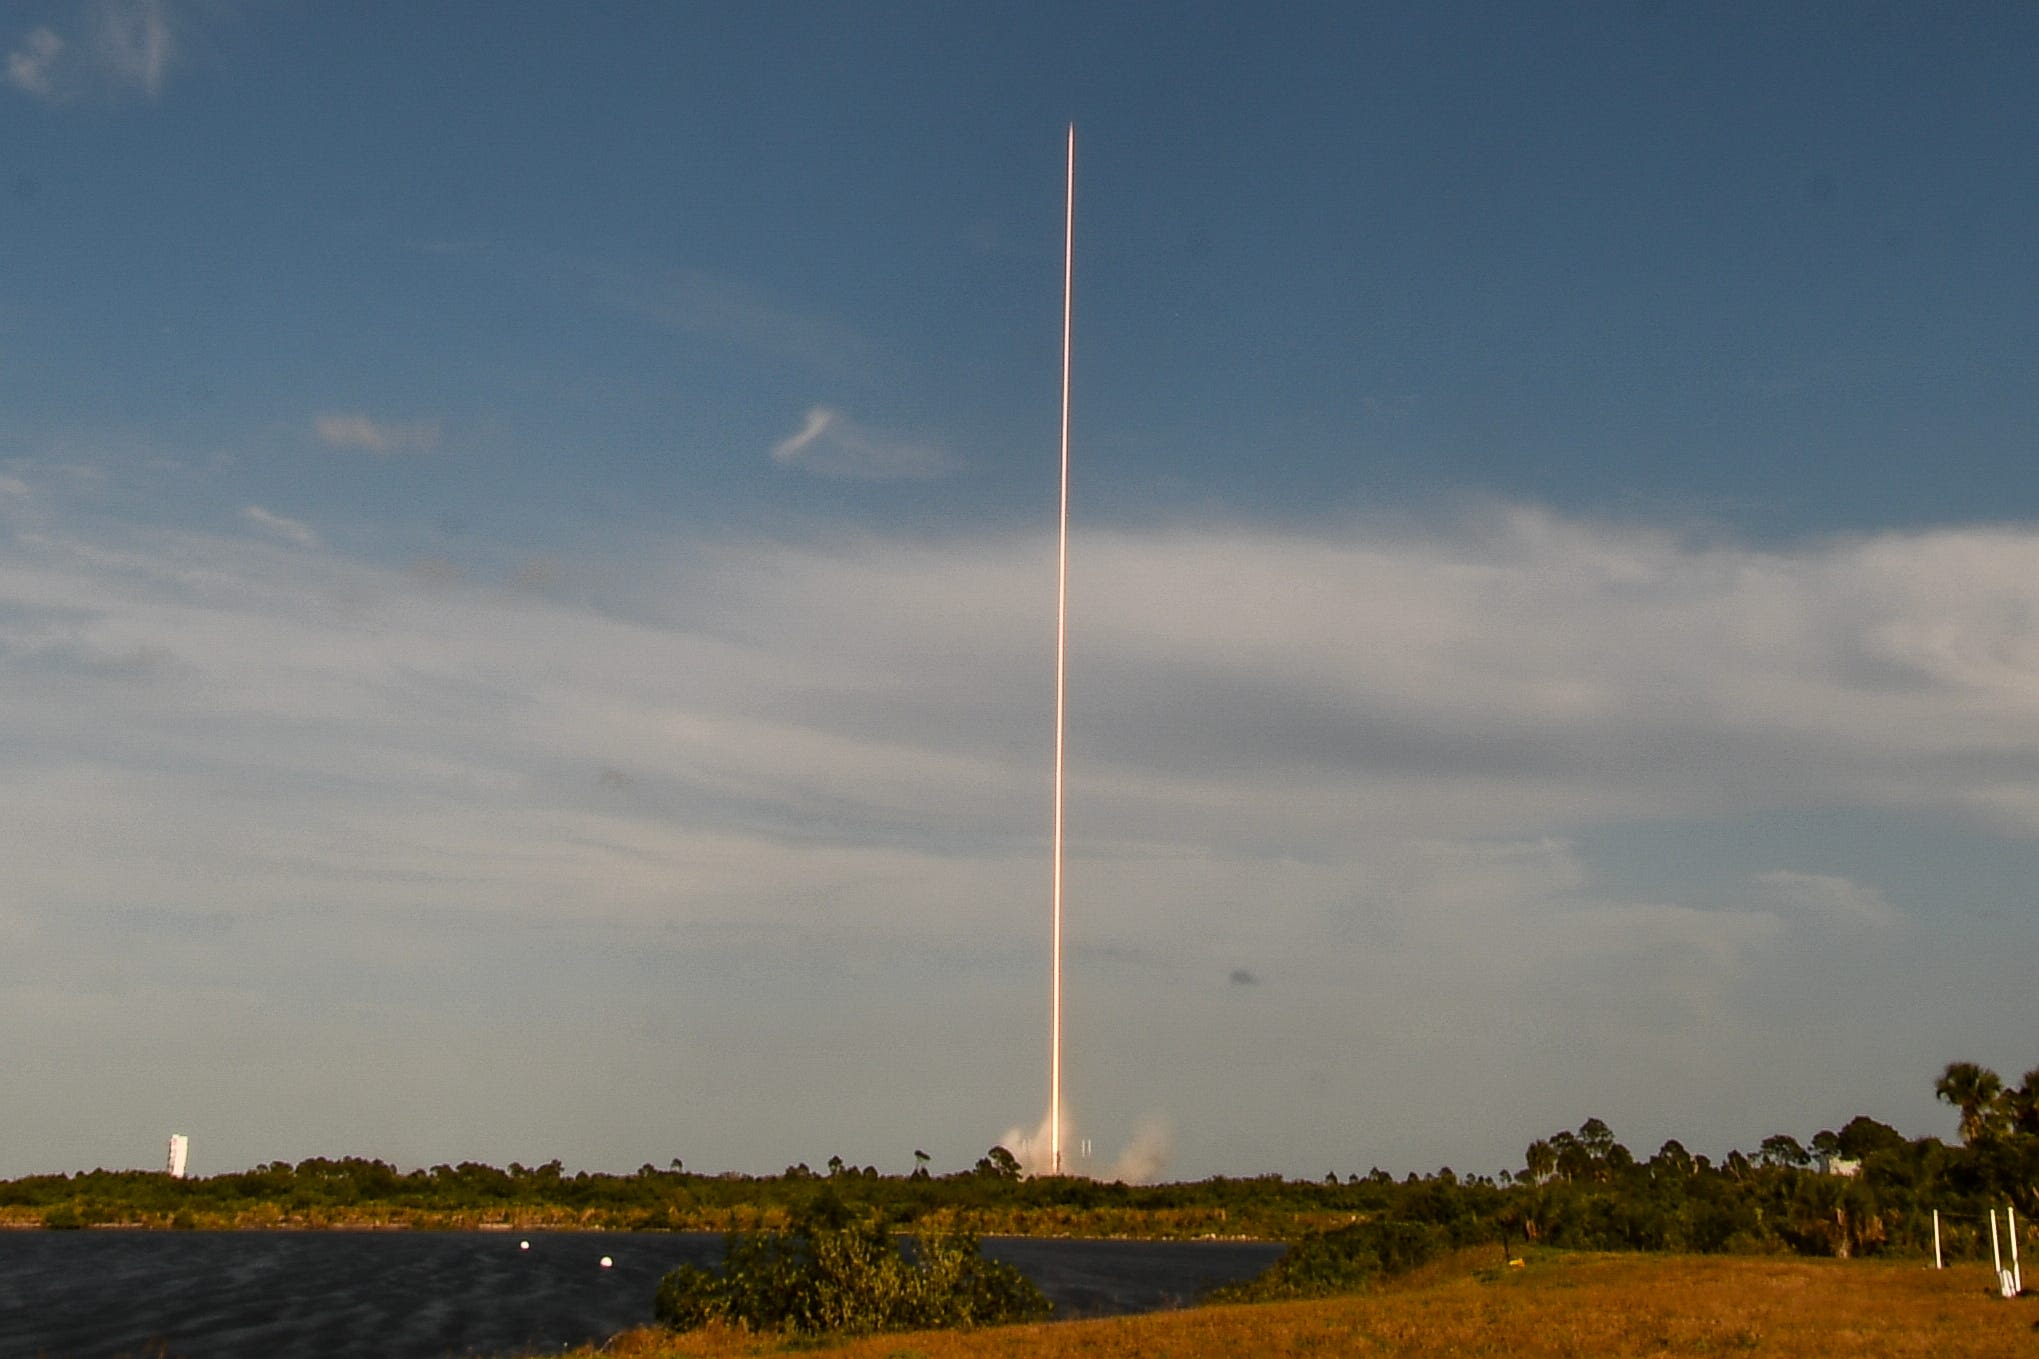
(425,1295)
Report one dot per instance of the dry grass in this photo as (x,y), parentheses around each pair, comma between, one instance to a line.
(1574,1307)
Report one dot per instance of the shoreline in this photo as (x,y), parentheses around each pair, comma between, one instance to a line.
(504,1228)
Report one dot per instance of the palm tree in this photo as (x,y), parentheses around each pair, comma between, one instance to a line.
(1974,1090)
(2021,1105)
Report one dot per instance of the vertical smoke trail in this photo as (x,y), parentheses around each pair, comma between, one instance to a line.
(1061,653)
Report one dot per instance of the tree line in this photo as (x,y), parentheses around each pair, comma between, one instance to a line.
(1861,1189)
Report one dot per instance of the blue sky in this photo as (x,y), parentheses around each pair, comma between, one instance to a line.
(526,577)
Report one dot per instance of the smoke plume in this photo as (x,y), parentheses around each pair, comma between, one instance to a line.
(1147,1156)
(1145,1159)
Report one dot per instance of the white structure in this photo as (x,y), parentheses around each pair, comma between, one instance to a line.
(180,1151)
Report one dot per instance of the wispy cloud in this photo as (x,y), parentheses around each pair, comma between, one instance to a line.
(731,311)
(127,48)
(134,43)
(30,67)
(829,444)
(358,431)
(1833,901)
(279,527)
(718,310)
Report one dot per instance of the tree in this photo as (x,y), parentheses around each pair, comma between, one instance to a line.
(1539,1161)
(1782,1149)
(1673,1159)
(2021,1104)
(1862,1137)
(1000,1163)
(1575,1159)
(1974,1090)
(1597,1137)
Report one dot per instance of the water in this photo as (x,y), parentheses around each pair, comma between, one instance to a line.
(427,1295)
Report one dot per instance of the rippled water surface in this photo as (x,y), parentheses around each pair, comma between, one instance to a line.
(423,1295)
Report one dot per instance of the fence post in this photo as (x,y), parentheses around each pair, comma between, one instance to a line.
(1937,1262)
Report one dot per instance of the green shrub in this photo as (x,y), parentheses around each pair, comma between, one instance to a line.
(1343,1261)
(828,1274)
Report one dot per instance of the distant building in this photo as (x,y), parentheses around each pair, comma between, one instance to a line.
(180,1150)
(1840,1165)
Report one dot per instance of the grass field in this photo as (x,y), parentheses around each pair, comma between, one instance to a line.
(1576,1306)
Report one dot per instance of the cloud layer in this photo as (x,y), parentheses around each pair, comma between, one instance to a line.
(757,834)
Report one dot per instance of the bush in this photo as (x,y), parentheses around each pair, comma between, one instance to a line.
(827,1274)
(1343,1261)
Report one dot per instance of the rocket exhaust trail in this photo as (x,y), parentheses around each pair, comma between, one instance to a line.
(1061,655)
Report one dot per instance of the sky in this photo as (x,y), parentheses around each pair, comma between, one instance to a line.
(527,578)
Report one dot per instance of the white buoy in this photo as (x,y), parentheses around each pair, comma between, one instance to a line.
(523,1245)
(607,1262)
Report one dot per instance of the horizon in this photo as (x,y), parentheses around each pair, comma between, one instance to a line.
(527,578)
(1398,1175)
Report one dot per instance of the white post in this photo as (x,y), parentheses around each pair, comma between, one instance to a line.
(1937,1263)
(2017,1274)
(1996,1253)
